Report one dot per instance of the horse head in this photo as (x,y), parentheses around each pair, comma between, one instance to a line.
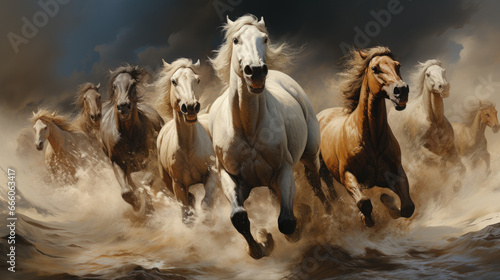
(249,55)
(125,97)
(41,133)
(436,82)
(384,79)
(489,117)
(184,83)
(92,105)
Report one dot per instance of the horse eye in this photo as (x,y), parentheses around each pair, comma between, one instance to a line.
(174,83)
(428,74)
(198,81)
(235,41)
(265,40)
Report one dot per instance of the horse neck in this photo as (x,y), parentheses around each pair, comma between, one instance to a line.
(186,133)
(371,113)
(83,124)
(248,108)
(434,106)
(478,128)
(55,137)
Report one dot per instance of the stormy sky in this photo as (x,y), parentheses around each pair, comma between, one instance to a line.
(49,47)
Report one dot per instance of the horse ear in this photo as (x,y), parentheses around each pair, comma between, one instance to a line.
(229,22)
(98,86)
(261,21)
(197,64)
(110,72)
(34,114)
(165,63)
(363,54)
(54,113)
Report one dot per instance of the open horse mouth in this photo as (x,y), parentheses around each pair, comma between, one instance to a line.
(190,118)
(256,87)
(400,105)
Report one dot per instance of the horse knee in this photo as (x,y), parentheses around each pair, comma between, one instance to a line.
(287,225)
(241,222)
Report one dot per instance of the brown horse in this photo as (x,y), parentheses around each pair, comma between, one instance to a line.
(357,145)
(470,140)
(129,129)
(88,120)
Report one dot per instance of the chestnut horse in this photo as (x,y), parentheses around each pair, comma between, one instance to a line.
(128,131)
(88,120)
(357,145)
(469,136)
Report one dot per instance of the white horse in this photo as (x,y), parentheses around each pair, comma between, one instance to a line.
(422,129)
(261,126)
(185,152)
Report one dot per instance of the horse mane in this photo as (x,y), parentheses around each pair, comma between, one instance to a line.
(471,112)
(164,85)
(82,89)
(351,79)
(278,56)
(61,121)
(139,74)
(417,78)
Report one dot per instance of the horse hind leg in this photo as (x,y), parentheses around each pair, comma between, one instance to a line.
(327,177)
(236,192)
(362,201)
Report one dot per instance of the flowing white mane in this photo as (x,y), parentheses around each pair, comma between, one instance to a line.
(278,55)
(418,77)
(164,85)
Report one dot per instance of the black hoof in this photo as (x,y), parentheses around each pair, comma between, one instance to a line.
(365,206)
(287,226)
(408,211)
(131,199)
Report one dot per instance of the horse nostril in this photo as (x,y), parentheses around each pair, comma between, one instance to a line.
(99,116)
(129,105)
(197,107)
(397,91)
(248,70)
(440,86)
(264,70)
(184,109)
(92,117)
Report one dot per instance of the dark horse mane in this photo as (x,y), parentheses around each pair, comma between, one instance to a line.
(147,124)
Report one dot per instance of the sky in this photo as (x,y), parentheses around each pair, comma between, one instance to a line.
(49,47)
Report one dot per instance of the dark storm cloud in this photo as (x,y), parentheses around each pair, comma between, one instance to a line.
(85,39)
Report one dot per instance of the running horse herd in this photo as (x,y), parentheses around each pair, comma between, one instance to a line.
(261,126)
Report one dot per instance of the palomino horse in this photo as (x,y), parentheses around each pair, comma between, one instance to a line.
(89,119)
(128,131)
(261,126)
(423,129)
(64,152)
(185,152)
(357,145)
(469,136)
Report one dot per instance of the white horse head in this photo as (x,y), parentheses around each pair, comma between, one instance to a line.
(41,133)
(436,82)
(183,96)
(249,55)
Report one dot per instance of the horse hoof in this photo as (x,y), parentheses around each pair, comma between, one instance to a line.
(367,220)
(287,226)
(259,250)
(408,211)
(296,235)
(131,199)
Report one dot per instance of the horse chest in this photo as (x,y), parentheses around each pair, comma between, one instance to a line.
(188,169)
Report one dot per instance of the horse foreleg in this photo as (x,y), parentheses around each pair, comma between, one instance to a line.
(210,184)
(128,193)
(312,168)
(287,223)
(183,195)
(327,177)
(237,194)
(402,188)
(487,161)
(362,201)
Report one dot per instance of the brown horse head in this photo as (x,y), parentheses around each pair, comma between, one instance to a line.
(89,99)
(384,79)
(489,117)
(122,90)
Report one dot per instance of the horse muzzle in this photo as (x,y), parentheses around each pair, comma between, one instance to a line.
(495,128)
(399,96)
(255,77)
(39,146)
(190,112)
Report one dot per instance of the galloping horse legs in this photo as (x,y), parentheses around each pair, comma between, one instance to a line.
(311,165)
(128,193)
(183,195)
(327,177)
(362,201)
(236,192)
(286,191)
(210,190)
